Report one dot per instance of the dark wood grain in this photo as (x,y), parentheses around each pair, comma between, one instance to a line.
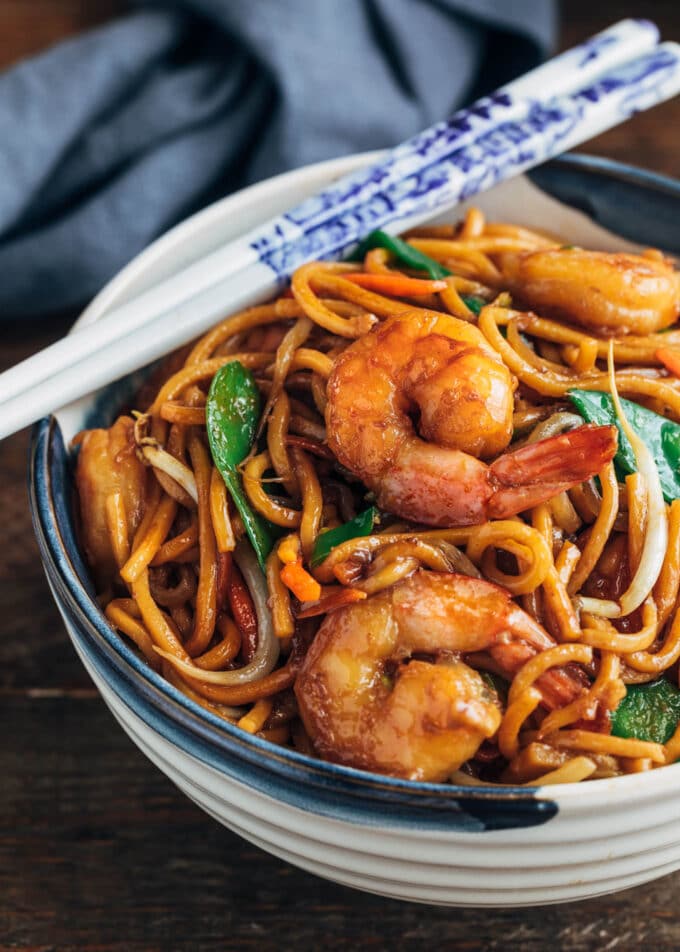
(98,850)
(30,26)
(651,138)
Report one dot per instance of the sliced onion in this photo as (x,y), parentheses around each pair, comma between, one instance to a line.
(267,651)
(458,560)
(656,534)
(172,467)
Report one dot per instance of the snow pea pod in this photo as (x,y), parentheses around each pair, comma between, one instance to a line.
(661,435)
(232,413)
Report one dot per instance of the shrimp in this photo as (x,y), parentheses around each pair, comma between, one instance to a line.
(107,465)
(607,293)
(441,371)
(366,705)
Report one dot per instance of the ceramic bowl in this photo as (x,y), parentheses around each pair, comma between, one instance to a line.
(435,843)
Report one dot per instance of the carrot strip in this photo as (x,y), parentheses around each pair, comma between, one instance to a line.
(670,359)
(346,596)
(295,577)
(397,284)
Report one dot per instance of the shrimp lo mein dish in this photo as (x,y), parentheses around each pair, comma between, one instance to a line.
(420,515)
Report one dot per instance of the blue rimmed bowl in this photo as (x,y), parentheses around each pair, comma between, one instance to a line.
(435,843)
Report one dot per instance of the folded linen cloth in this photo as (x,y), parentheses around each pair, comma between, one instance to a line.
(110,138)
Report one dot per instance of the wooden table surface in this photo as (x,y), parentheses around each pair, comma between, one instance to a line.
(98,850)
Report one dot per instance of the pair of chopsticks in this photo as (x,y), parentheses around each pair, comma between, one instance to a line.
(572,98)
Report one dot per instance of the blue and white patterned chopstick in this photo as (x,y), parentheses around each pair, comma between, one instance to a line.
(565,102)
(514,103)
(506,148)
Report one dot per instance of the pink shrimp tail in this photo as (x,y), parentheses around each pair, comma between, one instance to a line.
(538,471)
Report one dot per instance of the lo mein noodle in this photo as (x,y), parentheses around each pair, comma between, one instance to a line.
(412,516)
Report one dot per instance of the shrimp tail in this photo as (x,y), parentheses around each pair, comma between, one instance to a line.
(538,471)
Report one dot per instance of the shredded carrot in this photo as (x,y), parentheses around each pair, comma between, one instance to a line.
(329,603)
(300,582)
(670,359)
(397,284)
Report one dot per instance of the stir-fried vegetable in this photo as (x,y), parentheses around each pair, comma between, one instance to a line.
(303,585)
(474,303)
(167,463)
(662,436)
(648,712)
(232,413)
(361,525)
(403,252)
(412,258)
(669,358)
(656,527)
(243,610)
(293,574)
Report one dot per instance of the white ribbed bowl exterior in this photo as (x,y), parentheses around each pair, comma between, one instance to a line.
(606,835)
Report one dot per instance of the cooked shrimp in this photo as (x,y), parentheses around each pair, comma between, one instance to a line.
(365,704)
(441,370)
(607,293)
(107,465)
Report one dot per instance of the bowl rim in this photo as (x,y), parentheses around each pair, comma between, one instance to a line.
(154,690)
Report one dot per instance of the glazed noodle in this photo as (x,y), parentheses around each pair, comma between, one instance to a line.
(495,586)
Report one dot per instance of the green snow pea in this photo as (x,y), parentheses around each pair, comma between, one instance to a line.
(649,711)
(661,435)
(232,414)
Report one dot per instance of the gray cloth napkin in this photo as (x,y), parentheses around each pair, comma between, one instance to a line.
(110,138)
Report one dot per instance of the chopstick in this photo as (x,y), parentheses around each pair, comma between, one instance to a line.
(560,76)
(570,99)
